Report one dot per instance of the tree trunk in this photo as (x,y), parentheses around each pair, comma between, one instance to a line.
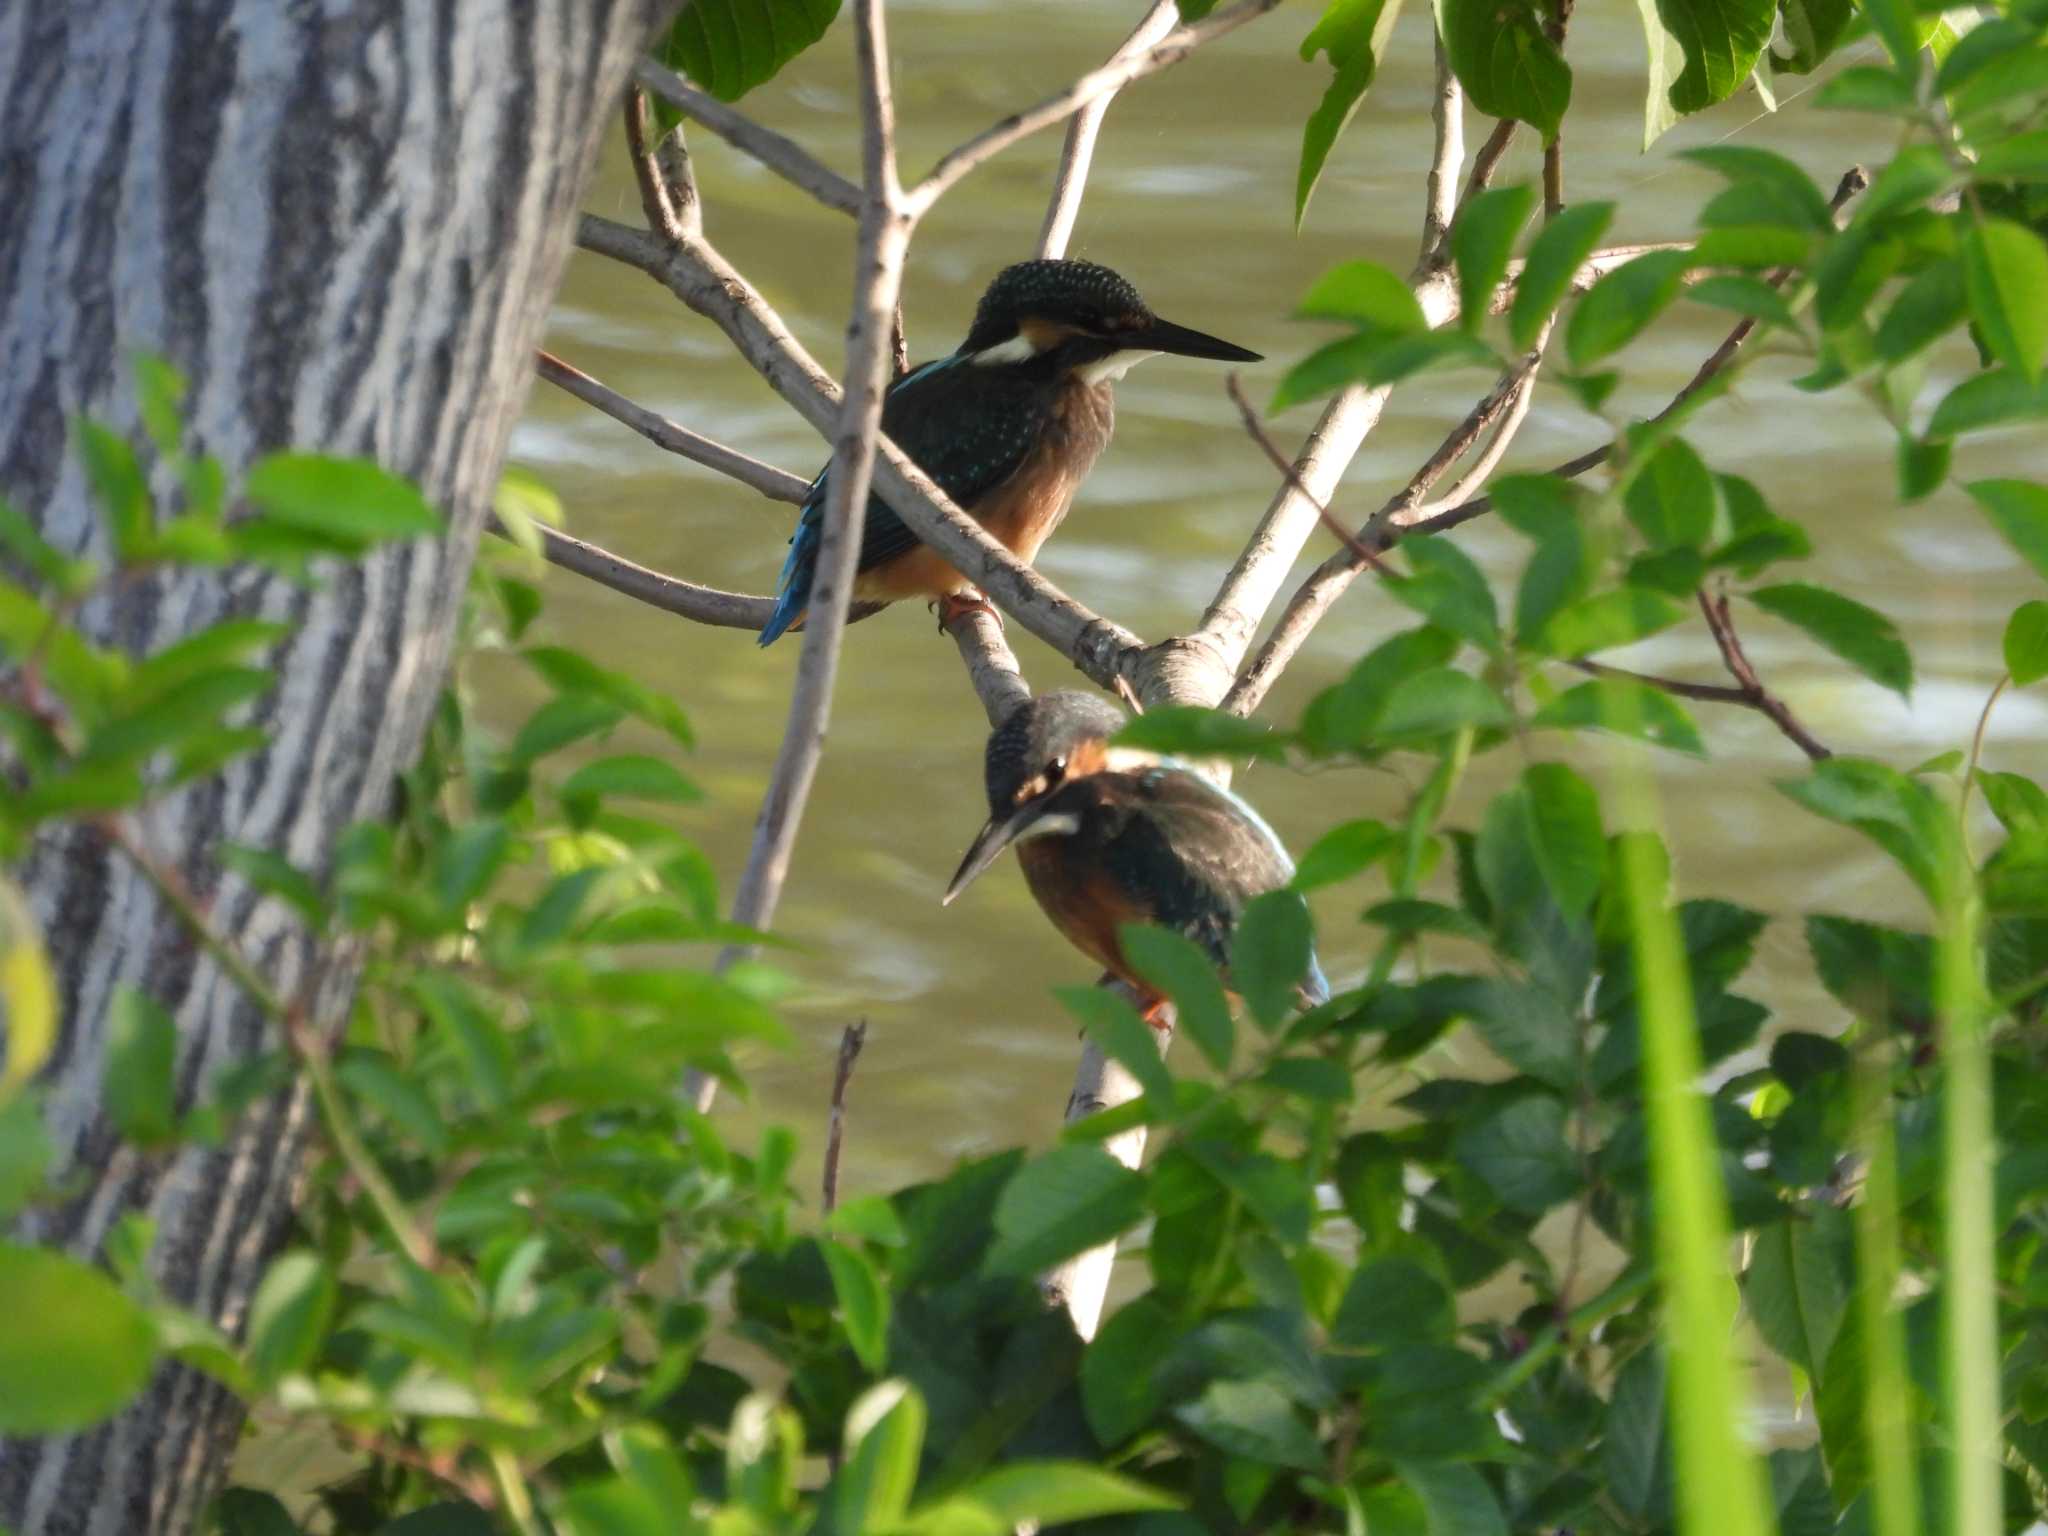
(344,223)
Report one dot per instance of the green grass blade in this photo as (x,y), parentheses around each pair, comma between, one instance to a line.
(1970,1305)
(1887,1390)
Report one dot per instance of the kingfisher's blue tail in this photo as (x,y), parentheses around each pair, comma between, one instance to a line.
(1315,986)
(793,590)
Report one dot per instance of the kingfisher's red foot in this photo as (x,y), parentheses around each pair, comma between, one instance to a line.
(1156,1013)
(957,605)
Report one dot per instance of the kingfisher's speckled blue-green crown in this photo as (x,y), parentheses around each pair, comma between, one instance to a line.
(1078,293)
(1036,735)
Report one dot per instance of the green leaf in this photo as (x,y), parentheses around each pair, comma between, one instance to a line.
(2005,273)
(2026,643)
(1342,718)
(1057,1493)
(1930,306)
(289,1315)
(1070,1199)
(275,875)
(731,46)
(251,1512)
(1449,590)
(19,538)
(1922,466)
(1354,34)
(1506,64)
(117,484)
(78,1350)
(1440,701)
(1664,62)
(632,775)
(220,645)
(566,718)
(1521,1152)
(1743,296)
(1764,185)
(1812,28)
(1189,730)
(1798,1284)
(1564,829)
(1557,252)
(197,705)
(1722,40)
(1671,498)
(1364,294)
(1393,1301)
(142,1058)
(1119,1393)
(1988,399)
(863,1302)
(1635,1455)
(1253,1419)
(884,1437)
(1619,616)
(2019,510)
(1481,241)
(1527,1028)
(1179,969)
(349,500)
(1861,636)
(1113,1024)
(1270,954)
(1622,304)
(1898,813)
(1341,852)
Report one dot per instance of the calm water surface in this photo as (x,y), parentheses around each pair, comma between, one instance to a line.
(1191,199)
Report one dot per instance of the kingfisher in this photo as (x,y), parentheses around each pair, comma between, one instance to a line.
(1008,426)
(1110,835)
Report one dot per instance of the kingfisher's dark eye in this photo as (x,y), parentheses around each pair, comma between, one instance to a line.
(1055,770)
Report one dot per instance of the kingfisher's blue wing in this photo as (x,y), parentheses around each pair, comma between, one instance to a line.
(1196,854)
(969,428)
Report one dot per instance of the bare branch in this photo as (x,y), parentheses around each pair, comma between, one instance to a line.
(1677,687)
(878,280)
(850,1041)
(1553,148)
(784,156)
(1722,625)
(672,159)
(1447,113)
(1113,76)
(776,484)
(1072,177)
(1278,460)
(991,664)
(662,215)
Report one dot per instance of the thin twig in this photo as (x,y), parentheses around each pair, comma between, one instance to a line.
(442,1467)
(878,281)
(662,215)
(1116,74)
(851,1040)
(1079,150)
(1722,625)
(1440,202)
(1488,160)
(777,484)
(1677,687)
(1250,416)
(784,156)
(1553,148)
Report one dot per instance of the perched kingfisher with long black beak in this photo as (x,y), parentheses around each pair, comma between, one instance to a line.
(1110,835)
(1008,426)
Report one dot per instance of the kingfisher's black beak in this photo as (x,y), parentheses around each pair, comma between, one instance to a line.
(996,835)
(1165,336)
(1032,820)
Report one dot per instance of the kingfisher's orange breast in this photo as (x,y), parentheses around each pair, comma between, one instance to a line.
(1020,513)
(1084,903)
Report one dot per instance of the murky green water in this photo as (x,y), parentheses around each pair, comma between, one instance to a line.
(1192,200)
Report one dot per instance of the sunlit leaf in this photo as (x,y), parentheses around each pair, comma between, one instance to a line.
(87,1354)
(1353,33)
(1508,67)
(731,46)
(1860,635)
(2005,273)
(1555,255)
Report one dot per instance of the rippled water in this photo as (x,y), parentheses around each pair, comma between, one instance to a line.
(1192,200)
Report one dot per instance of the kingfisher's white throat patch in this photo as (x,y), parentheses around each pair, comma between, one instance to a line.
(1018,349)
(1112,367)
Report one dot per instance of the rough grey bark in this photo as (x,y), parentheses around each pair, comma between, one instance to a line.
(343,220)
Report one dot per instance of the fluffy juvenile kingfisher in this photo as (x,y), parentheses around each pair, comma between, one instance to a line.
(1008,426)
(1112,835)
